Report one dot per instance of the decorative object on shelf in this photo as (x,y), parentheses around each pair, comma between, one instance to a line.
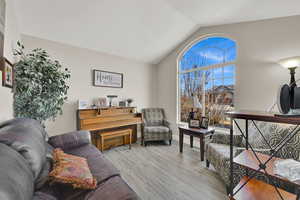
(288,168)
(45,98)
(83,104)
(288,98)
(2,27)
(122,103)
(204,122)
(129,102)
(7,73)
(102,102)
(194,123)
(107,79)
(111,97)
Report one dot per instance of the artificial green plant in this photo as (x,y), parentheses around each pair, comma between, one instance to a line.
(40,85)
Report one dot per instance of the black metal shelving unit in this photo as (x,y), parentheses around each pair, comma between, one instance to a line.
(263,161)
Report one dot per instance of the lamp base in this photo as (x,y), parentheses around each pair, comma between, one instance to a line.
(292,113)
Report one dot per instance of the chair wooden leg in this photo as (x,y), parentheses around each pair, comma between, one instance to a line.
(142,141)
(170,142)
(130,140)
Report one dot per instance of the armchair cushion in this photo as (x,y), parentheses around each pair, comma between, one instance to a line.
(70,140)
(254,137)
(153,116)
(224,138)
(156,129)
(219,156)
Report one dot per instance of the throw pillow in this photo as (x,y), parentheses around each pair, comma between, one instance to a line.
(72,170)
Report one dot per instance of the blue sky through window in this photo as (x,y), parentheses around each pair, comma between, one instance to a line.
(211,51)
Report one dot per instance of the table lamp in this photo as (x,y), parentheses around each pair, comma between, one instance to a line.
(111,97)
(196,105)
(291,63)
(289,95)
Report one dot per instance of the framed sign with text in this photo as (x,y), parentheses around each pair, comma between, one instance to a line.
(107,79)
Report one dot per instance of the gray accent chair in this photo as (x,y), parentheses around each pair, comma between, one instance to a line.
(218,151)
(155,127)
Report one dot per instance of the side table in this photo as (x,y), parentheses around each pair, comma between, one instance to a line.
(194,132)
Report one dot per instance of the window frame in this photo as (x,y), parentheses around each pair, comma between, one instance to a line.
(202,68)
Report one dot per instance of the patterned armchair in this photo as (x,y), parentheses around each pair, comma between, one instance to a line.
(155,127)
(218,151)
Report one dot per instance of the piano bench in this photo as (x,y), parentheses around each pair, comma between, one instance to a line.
(114,134)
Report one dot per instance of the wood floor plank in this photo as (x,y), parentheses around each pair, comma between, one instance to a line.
(160,172)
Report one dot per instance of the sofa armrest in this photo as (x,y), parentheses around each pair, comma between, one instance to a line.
(70,140)
(224,138)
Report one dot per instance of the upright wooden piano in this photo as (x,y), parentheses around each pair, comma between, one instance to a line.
(107,120)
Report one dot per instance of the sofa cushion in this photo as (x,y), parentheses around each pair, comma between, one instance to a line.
(43,196)
(114,188)
(100,167)
(72,170)
(28,138)
(43,177)
(16,178)
(156,129)
(70,140)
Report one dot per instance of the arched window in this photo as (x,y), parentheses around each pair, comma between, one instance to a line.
(207,71)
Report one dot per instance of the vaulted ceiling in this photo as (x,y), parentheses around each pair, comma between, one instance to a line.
(143,30)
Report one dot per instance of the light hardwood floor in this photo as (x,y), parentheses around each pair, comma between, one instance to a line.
(160,172)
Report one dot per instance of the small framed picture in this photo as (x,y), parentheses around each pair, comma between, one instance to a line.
(205,122)
(7,73)
(83,104)
(102,102)
(194,123)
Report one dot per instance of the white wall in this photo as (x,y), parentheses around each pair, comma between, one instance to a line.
(139,79)
(12,35)
(260,45)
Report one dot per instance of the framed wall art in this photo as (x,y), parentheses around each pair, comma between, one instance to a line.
(7,73)
(107,79)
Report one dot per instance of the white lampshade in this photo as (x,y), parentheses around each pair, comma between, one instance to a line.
(196,103)
(290,62)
